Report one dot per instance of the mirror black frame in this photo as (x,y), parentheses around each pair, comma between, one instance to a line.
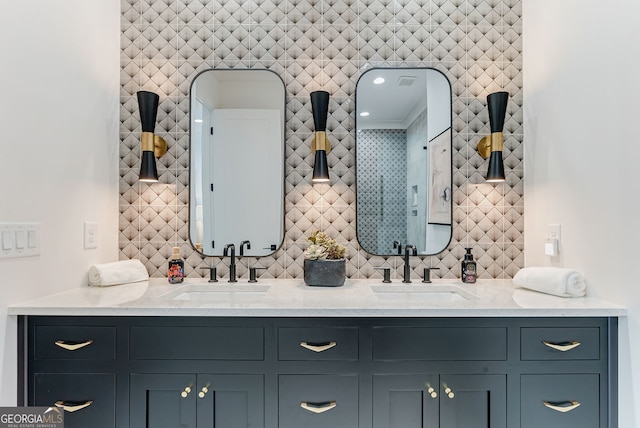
(362,248)
(284,148)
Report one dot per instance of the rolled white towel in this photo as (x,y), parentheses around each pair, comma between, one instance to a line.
(121,272)
(551,280)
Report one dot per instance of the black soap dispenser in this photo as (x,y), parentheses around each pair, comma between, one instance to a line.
(469,273)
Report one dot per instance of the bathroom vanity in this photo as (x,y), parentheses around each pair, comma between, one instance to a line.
(286,355)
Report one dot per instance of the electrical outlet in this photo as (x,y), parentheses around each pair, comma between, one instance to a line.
(90,235)
(552,241)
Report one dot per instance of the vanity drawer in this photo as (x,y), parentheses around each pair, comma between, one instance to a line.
(573,343)
(318,401)
(196,343)
(560,401)
(317,344)
(440,343)
(62,342)
(89,397)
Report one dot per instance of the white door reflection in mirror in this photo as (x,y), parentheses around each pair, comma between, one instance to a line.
(403,160)
(237,158)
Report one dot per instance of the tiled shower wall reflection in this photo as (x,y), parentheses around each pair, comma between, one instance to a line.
(323,44)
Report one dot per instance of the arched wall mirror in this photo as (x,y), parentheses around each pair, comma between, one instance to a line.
(403,160)
(237,161)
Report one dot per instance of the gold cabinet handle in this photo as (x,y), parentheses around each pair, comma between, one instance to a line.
(72,346)
(432,392)
(72,406)
(563,346)
(203,392)
(318,347)
(185,392)
(318,407)
(564,407)
(449,392)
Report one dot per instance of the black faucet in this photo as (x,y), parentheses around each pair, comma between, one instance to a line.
(232,265)
(242,245)
(407,268)
(398,245)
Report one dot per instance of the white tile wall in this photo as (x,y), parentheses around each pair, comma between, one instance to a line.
(323,44)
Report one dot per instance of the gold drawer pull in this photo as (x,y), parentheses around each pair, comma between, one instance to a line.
(318,407)
(563,346)
(73,406)
(318,347)
(563,406)
(72,346)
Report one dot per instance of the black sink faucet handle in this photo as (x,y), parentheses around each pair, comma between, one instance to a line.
(212,273)
(427,274)
(386,273)
(252,273)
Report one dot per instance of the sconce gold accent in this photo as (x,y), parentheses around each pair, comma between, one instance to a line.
(491,147)
(154,143)
(153,146)
(320,142)
(491,143)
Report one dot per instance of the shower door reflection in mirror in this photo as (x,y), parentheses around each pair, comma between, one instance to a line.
(403,160)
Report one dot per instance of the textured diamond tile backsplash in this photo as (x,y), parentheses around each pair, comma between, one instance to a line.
(312,45)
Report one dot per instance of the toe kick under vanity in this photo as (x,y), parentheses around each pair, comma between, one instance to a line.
(290,356)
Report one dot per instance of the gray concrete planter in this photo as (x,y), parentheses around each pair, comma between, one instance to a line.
(325,273)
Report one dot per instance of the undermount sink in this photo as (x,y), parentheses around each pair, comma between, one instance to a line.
(438,293)
(203,292)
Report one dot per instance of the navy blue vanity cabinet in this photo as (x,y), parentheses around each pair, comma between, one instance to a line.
(263,372)
(72,365)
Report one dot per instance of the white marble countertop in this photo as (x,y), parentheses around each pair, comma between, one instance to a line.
(292,298)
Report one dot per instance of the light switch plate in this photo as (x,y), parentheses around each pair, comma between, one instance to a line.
(19,240)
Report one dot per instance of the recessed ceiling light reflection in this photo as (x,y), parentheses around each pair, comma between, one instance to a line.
(378,80)
(364,114)
(198,120)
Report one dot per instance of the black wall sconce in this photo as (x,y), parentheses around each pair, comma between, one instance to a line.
(320,145)
(153,146)
(491,146)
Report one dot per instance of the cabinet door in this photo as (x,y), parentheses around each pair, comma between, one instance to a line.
(88,398)
(162,401)
(405,401)
(473,401)
(230,401)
